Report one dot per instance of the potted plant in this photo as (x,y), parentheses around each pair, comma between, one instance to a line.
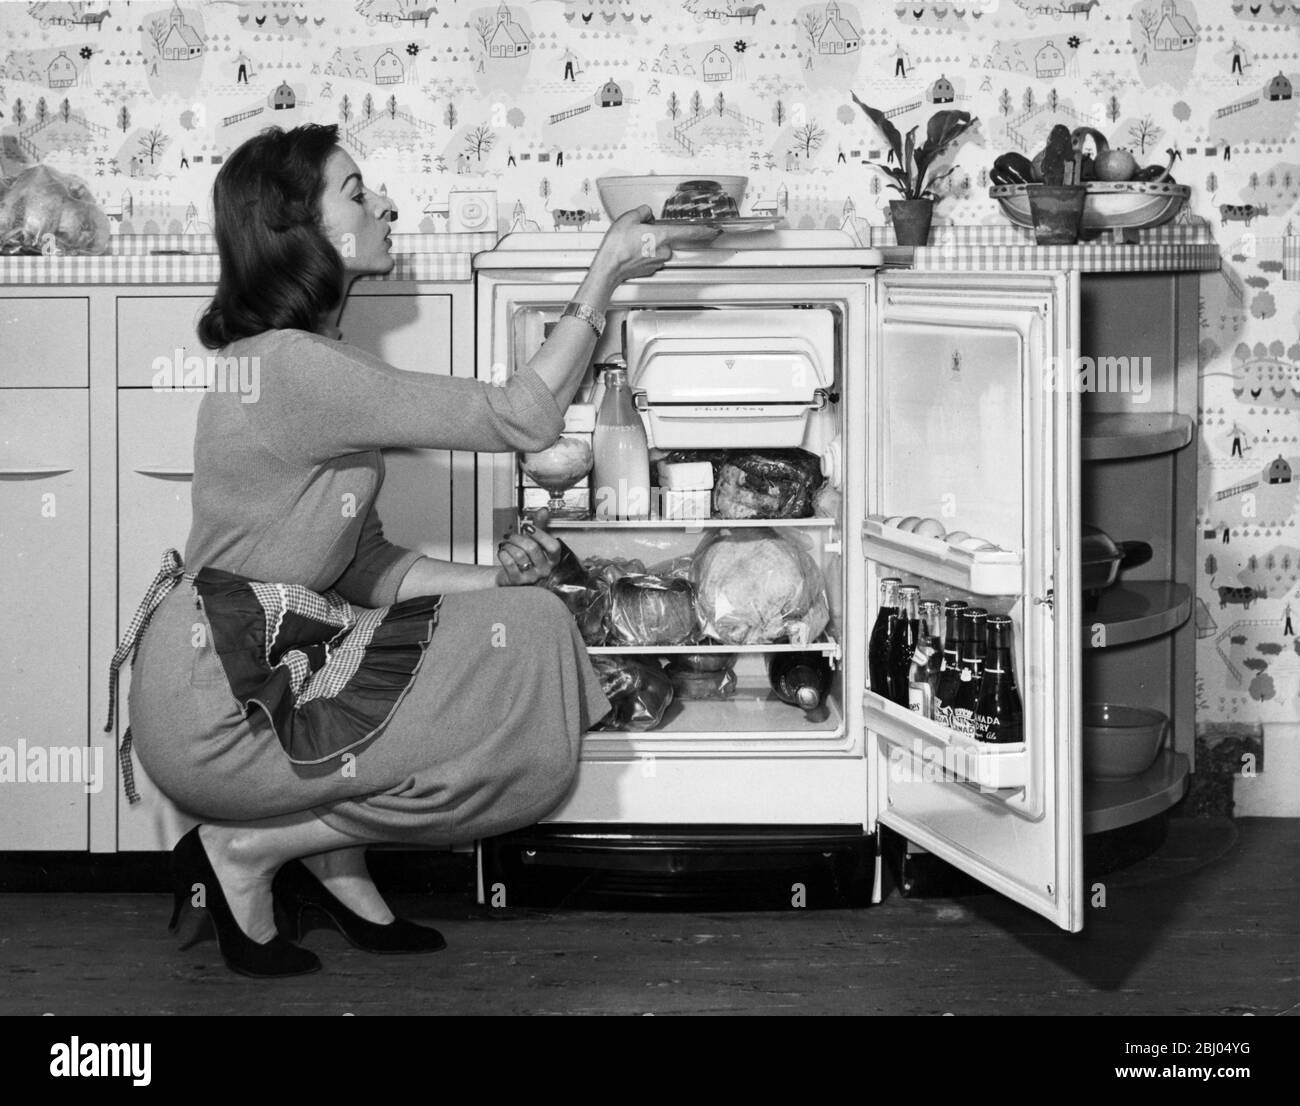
(912,170)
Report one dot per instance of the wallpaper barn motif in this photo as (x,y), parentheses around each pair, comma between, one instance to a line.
(535,99)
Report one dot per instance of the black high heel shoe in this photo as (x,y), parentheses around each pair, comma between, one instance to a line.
(277,957)
(296,890)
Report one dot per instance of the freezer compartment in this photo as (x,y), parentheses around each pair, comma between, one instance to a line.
(730,377)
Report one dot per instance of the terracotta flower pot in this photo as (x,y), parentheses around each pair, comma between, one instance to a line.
(911,221)
(1057,210)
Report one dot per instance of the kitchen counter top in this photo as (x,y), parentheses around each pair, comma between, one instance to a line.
(1175,247)
(192,259)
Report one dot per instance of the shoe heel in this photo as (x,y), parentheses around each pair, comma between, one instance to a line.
(241,954)
(288,921)
(178,902)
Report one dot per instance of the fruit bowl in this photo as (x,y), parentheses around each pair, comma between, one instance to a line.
(620,194)
(1109,205)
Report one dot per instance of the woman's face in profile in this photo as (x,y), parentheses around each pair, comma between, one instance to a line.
(356,220)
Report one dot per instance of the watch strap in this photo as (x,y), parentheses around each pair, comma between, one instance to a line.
(592,318)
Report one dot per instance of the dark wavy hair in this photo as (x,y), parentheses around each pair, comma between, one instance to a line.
(278,270)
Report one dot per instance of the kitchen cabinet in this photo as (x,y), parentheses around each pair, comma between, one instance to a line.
(89,439)
(956,396)
(48,774)
(44,341)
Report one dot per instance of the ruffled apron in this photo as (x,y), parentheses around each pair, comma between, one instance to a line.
(327,675)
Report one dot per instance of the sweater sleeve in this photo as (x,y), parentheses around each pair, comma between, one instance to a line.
(377,569)
(320,398)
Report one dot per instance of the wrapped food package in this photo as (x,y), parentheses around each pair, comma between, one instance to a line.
(587,601)
(651,610)
(776,483)
(639,692)
(701,662)
(714,457)
(45,211)
(703,685)
(757,586)
(700,199)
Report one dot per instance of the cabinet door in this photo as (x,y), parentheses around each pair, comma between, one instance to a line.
(44,342)
(973,422)
(155,469)
(414,332)
(48,767)
(153,330)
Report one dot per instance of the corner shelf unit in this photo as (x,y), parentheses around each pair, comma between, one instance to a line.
(1138,481)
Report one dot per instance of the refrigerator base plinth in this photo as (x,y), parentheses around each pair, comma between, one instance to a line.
(674,868)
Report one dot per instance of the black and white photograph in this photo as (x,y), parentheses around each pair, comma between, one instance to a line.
(650,508)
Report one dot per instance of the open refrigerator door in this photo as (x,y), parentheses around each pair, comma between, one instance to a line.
(971,459)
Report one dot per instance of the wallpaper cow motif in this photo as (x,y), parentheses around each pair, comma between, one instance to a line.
(535,100)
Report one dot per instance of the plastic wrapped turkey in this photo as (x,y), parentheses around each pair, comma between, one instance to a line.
(44,211)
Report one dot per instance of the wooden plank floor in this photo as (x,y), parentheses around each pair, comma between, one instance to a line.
(1210,924)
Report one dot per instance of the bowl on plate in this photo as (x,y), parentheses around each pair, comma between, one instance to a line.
(620,194)
(1120,741)
(1107,205)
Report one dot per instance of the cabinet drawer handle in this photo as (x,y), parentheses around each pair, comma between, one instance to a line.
(165,472)
(31,472)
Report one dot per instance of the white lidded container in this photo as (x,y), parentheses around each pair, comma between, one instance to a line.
(729,378)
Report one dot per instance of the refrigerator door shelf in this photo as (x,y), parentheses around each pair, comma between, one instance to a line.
(990,572)
(922,748)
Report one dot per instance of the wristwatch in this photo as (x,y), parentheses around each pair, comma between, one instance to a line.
(593,319)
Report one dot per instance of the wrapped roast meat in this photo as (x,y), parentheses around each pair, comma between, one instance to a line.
(757,586)
(651,610)
(775,483)
(45,211)
(638,690)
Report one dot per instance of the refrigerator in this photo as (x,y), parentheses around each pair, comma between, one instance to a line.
(924,394)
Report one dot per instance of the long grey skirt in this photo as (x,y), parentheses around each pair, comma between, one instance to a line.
(486,739)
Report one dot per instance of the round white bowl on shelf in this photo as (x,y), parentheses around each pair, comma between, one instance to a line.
(1109,205)
(620,194)
(1120,741)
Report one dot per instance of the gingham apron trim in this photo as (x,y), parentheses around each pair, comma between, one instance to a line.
(169,573)
(326,675)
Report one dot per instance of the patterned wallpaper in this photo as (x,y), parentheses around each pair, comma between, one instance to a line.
(535,99)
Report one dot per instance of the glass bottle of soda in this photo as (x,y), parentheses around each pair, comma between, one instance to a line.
(999,715)
(949,679)
(902,642)
(974,646)
(800,679)
(878,646)
(926,657)
(931,638)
